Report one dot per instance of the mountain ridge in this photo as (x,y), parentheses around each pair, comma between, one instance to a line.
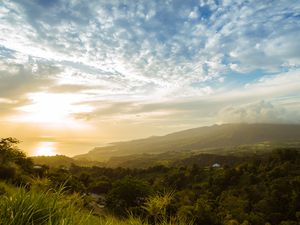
(225,135)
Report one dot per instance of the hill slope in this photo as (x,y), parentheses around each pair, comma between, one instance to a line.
(62,161)
(217,136)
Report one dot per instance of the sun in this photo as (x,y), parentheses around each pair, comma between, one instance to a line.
(54,109)
(45,149)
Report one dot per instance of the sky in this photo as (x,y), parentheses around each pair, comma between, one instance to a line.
(77,74)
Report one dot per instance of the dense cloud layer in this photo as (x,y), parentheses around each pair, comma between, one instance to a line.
(181,47)
(260,112)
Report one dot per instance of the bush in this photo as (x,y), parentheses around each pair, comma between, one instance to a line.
(156,206)
(2,191)
(7,173)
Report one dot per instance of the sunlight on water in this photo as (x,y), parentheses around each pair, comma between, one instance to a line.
(45,148)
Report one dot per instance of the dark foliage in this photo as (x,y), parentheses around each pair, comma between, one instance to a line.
(261,190)
(14,165)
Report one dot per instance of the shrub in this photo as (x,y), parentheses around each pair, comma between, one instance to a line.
(7,173)
(156,206)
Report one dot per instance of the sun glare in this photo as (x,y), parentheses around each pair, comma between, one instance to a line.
(53,108)
(45,149)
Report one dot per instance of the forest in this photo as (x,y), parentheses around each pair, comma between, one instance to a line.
(263,189)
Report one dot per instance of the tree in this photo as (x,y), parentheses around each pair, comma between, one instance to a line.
(12,159)
(9,151)
(126,194)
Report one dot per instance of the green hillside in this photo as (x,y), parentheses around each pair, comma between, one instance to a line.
(203,139)
(62,161)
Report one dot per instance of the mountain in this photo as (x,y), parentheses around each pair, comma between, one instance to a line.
(209,139)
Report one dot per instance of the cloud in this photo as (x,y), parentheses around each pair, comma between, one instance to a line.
(7,107)
(259,112)
(277,90)
(169,45)
(70,88)
(16,79)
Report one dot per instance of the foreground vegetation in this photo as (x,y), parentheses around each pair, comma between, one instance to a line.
(261,190)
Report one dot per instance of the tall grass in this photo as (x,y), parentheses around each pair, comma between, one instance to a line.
(19,206)
(157,207)
(137,221)
(41,208)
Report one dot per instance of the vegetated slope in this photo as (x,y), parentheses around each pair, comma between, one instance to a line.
(217,136)
(62,161)
(175,160)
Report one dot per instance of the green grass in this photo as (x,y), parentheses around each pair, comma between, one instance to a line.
(42,208)
(19,206)
(110,220)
